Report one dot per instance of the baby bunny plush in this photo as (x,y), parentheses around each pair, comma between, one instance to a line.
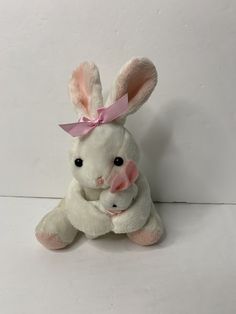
(101,146)
(122,192)
(116,203)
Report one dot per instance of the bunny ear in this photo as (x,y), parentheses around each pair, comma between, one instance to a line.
(125,178)
(119,183)
(86,90)
(138,78)
(131,171)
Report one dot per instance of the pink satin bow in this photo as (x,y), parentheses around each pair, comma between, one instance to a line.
(104,115)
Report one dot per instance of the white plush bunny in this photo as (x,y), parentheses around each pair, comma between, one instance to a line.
(100,147)
(116,203)
(123,191)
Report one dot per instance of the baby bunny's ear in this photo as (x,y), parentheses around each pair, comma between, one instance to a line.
(86,90)
(127,176)
(138,78)
(131,171)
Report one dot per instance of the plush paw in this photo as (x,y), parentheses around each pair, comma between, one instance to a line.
(50,241)
(144,237)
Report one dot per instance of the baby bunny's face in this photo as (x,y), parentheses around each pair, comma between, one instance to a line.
(98,156)
(118,201)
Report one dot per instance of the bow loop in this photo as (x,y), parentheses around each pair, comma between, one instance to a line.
(104,115)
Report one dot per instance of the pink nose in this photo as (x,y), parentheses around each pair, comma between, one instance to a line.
(100,181)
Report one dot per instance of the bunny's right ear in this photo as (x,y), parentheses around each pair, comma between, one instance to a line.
(85,89)
(137,78)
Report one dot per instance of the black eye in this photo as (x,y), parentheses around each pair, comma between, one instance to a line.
(114,205)
(118,161)
(78,162)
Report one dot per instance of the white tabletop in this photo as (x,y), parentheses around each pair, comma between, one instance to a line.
(193,270)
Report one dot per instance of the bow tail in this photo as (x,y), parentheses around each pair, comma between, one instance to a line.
(77,129)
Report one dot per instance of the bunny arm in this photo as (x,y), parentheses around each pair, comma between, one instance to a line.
(138,213)
(99,206)
(83,215)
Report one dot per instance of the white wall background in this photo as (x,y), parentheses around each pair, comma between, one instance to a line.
(188,128)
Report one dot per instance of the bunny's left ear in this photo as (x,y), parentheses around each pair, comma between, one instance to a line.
(138,79)
(85,89)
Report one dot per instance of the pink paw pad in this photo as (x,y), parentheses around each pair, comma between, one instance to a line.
(50,241)
(144,237)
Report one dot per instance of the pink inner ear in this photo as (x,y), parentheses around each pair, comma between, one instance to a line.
(138,78)
(119,183)
(125,177)
(131,171)
(84,91)
(79,92)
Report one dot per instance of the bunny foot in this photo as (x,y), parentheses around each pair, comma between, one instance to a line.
(144,237)
(150,233)
(55,231)
(50,241)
